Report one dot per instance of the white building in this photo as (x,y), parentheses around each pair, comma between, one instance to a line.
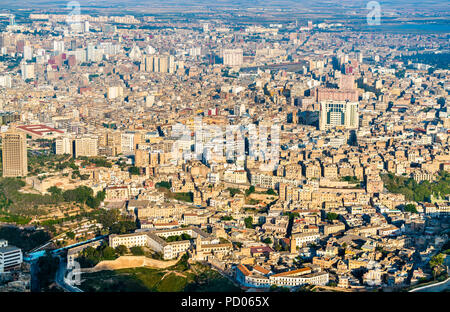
(27,71)
(233,57)
(58,46)
(338,113)
(10,256)
(127,139)
(63,146)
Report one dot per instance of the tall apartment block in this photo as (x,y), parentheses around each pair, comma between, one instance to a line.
(14,154)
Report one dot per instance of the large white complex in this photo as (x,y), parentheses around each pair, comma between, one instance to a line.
(155,240)
(338,114)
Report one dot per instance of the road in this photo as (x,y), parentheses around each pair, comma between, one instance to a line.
(438,287)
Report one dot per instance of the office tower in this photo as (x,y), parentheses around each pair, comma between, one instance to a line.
(360,57)
(233,57)
(85,146)
(86,26)
(338,114)
(3,41)
(14,154)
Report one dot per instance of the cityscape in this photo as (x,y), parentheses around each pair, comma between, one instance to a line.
(227,146)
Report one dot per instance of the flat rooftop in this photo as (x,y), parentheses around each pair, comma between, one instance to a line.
(39,130)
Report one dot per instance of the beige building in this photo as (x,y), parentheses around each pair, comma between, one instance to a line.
(14,154)
(86,146)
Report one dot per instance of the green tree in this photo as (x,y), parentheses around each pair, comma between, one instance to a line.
(250,191)
(137,251)
(121,250)
(410,208)
(332,216)
(436,263)
(234,191)
(54,190)
(108,253)
(249,222)
(134,170)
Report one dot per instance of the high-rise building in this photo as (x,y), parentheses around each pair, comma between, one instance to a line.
(141,158)
(86,146)
(148,63)
(27,53)
(90,52)
(86,26)
(114,92)
(27,71)
(233,57)
(127,139)
(63,146)
(5,81)
(338,114)
(14,154)
(163,64)
(58,46)
(347,82)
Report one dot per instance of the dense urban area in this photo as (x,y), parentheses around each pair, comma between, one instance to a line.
(227,151)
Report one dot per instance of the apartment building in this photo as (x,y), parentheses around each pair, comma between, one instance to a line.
(14,154)
(10,256)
